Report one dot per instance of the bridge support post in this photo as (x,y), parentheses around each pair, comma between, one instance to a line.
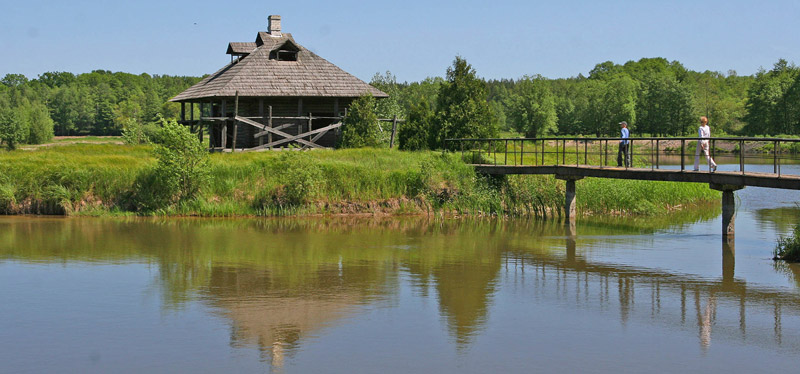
(569,196)
(728,208)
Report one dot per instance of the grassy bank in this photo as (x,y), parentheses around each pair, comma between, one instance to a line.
(99,179)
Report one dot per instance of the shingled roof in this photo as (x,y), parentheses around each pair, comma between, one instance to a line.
(260,74)
(240,48)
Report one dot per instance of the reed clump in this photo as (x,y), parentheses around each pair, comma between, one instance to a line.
(788,248)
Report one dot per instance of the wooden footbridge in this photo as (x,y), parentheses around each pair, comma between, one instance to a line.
(654,159)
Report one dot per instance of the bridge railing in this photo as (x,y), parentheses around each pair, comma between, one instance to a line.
(645,152)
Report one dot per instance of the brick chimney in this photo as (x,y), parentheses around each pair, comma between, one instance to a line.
(274,25)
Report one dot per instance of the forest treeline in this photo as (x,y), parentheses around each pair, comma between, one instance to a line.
(654,95)
(96,103)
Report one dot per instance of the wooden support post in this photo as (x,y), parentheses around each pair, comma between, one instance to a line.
(224,126)
(728,213)
(336,107)
(299,122)
(235,122)
(728,208)
(394,131)
(269,137)
(199,123)
(263,118)
(309,125)
(211,137)
(569,196)
(183,111)
(569,202)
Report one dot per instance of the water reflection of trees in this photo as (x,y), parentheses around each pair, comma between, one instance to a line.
(280,281)
(779,219)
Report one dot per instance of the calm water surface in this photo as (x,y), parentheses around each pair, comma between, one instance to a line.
(400,294)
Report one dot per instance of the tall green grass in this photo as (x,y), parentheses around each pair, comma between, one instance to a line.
(92,179)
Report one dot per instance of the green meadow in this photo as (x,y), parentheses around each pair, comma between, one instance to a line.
(99,179)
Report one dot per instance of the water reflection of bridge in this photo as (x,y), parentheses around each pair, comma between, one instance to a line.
(637,294)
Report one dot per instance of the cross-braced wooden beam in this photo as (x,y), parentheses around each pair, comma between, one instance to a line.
(287,137)
(297,138)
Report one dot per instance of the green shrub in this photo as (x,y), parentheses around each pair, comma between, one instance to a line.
(299,181)
(361,127)
(182,170)
(788,248)
(133,132)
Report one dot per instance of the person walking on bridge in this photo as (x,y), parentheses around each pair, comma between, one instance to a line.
(702,144)
(624,152)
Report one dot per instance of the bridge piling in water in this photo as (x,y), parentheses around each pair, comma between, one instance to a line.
(728,208)
(569,196)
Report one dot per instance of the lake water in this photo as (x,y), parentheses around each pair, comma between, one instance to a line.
(400,295)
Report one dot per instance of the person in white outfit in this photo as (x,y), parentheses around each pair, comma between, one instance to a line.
(702,144)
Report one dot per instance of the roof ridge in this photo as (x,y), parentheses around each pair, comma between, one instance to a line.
(255,74)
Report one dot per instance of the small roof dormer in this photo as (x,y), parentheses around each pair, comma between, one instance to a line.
(240,48)
(285,52)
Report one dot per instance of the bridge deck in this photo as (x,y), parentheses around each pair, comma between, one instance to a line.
(770,180)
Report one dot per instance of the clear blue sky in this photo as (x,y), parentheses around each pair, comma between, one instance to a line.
(412,39)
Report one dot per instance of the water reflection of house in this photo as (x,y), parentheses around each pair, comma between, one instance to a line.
(277,325)
(269,313)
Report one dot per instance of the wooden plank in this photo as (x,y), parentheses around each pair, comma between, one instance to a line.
(281,127)
(263,127)
(214,119)
(670,175)
(315,138)
(315,117)
(298,138)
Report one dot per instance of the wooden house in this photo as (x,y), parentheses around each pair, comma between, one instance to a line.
(274,93)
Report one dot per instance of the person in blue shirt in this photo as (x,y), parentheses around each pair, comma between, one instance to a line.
(624,153)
